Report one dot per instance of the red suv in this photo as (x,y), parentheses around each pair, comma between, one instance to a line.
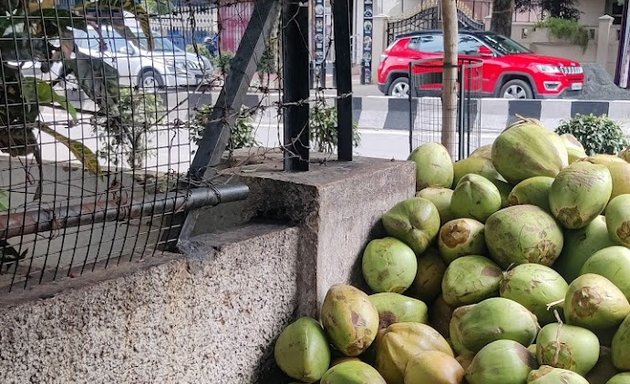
(509,69)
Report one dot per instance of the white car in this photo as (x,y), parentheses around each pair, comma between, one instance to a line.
(165,66)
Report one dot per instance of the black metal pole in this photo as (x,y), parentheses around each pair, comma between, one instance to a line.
(227,108)
(295,69)
(343,70)
(34,221)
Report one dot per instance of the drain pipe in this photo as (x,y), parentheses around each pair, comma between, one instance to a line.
(43,220)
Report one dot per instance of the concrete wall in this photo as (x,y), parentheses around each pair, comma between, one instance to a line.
(337,207)
(212,314)
(169,319)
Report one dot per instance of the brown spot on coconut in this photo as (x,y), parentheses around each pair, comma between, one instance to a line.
(618,219)
(579,193)
(461,237)
(568,347)
(523,234)
(594,302)
(351,322)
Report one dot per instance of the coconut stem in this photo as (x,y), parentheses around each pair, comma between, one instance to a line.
(554,303)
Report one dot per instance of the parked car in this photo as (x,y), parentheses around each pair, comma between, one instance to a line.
(138,66)
(509,70)
(164,66)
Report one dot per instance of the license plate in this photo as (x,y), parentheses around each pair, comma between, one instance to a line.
(576,86)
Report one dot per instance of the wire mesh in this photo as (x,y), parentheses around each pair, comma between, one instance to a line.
(97,112)
(425,103)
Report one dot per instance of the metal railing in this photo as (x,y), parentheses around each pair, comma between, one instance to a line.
(425,105)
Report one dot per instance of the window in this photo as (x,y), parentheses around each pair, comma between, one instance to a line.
(468,45)
(86,40)
(502,44)
(427,43)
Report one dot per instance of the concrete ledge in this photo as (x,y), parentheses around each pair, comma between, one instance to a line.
(207,319)
(336,205)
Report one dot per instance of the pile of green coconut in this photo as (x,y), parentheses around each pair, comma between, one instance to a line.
(510,266)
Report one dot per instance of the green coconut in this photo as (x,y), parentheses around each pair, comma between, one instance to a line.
(433,367)
(427,284)
(302,351)
(580,193)
(594,302)
(604,369)
(493,319)
(618,219)
(477,165)
(440,315)
(575,149)
(527,149)
(579,245)
(399,342)
(470,279)
(534,191)
(352,372)
(603,158)
(415,221)
(549,375)
(434,166)
(568,347)
(389,265)
(523,234)
(501,362)
(534,286)
(620,378)
(484,151)
(349,318)
(614,264)
(461,237)
(475,197)
(620,348)
(620,173)
(454,330)
(441,198)
(396,308)
(625,154)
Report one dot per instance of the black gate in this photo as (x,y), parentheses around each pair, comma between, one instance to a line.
(429,16)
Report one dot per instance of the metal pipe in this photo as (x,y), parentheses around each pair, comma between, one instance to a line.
(42,220)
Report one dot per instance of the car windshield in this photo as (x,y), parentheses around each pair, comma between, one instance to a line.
(502,44)
(161,43)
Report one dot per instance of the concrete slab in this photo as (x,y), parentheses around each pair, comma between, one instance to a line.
(336,205)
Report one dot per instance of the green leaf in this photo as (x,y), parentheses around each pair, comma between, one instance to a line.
(47,95)
(4,201)
(80,151)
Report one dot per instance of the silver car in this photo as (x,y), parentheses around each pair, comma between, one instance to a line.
(164,66)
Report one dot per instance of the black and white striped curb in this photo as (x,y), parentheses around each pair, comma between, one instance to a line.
(491,115)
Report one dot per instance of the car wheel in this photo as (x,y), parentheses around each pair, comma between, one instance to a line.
(516,89)
(151,79)
(399,87)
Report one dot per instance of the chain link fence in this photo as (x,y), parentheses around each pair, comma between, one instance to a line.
(98,112)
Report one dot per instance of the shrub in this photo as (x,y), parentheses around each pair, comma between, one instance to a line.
(598,134)
(323,133)
(241,134)
(569,30)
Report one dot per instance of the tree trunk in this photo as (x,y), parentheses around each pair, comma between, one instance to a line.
(502,13)
(449,79)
